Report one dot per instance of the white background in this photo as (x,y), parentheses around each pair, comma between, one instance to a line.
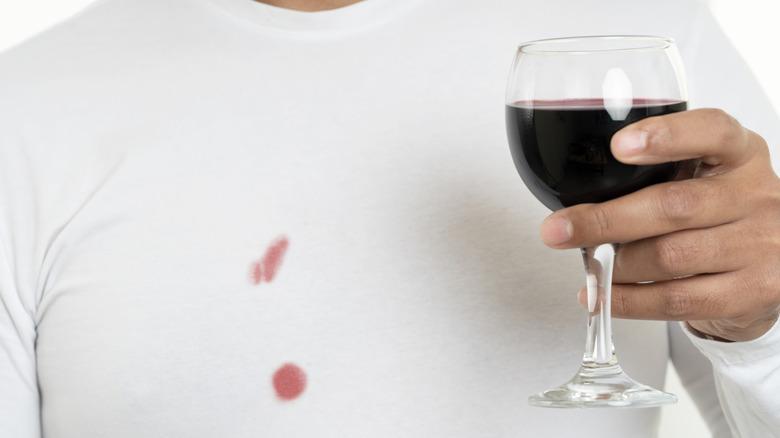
(751,24)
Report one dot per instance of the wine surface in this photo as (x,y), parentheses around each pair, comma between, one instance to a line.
(562,149)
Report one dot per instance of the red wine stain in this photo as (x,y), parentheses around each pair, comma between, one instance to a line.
(265,269)
(289,381)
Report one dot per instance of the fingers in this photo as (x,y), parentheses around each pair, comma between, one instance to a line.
(653,211)
(709,134)
(704,297)
(685,253)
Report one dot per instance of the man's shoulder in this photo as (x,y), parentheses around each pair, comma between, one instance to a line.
(64,84)
(84,51)
(61,47)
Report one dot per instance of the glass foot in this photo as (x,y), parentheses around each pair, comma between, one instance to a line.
(597,386)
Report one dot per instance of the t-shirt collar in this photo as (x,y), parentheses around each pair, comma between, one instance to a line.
(363,14)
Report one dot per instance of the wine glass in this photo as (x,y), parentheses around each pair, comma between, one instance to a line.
(565,99)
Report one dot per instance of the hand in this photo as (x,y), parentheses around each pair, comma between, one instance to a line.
(710,244)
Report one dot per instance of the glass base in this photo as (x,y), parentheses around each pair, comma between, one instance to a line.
(598,386)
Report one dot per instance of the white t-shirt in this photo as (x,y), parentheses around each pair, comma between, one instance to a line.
(223,219)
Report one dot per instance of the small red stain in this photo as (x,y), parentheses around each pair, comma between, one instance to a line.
(289,381)
(257,272)
(265,269)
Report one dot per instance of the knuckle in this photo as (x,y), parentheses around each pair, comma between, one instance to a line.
(764,234)
(620,305)
(773,239)
(669,255)
(678,203)
(660,134)
(728,129)
(737,308)
(773,200)
(773,289)
(677,304)
(733,311)
(601,221)
(719,116)
(760,144)
(754,292)
(765,283)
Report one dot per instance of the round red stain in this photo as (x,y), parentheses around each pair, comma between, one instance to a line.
(289,381)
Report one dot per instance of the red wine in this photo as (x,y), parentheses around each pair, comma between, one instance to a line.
(562,150)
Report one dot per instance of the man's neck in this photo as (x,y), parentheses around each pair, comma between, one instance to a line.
(310,5)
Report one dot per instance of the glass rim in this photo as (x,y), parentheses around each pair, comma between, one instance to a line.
(564,45)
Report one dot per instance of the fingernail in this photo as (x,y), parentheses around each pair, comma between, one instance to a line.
(631,142)
(582,297)
(556,230)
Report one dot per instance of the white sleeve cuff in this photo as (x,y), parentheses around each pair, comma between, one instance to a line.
(734,353)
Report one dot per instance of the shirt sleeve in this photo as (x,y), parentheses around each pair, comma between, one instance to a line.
(747,379)
(745,375)
(19,395)
(696,375)
(19,405)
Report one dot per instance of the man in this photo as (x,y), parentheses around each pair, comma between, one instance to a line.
(224,218)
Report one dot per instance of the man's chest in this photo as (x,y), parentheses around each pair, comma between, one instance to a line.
(389,257)
(404,289)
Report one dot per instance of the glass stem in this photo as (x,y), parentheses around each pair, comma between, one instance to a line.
(599,349)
